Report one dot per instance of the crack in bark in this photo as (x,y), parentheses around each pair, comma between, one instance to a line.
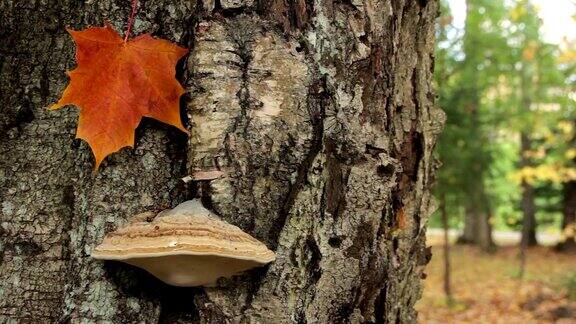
(316,98)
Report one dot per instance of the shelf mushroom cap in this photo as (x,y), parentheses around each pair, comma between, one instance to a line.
(185,246)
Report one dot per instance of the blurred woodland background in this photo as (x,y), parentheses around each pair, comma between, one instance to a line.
(506,78)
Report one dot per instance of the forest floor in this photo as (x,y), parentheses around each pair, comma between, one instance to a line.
(486,287)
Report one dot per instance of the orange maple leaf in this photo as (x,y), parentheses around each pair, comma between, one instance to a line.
(116,83)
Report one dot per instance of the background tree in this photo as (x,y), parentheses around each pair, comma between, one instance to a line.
(537,78)
(321,115)
(522,93)
(545,109)
(444,186)
(568,62)
(469,66)
(526,18)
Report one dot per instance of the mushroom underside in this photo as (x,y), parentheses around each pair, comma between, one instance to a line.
(191,270)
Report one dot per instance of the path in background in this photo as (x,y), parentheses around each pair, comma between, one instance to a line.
(486,289)
(500,237)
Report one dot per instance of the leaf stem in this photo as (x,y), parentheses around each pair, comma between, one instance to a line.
(131,19)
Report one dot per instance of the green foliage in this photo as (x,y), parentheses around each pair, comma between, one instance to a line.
(468,65)
(497,79)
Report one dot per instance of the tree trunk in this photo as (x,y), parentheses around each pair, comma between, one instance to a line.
(446,250)
(528,196)
(320,114)
(568,242)
(477,227)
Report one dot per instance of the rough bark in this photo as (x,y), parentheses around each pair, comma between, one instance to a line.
(321,115)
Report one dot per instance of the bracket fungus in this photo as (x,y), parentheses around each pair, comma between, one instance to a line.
(185,246)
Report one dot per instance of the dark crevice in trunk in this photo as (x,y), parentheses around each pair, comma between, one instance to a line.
(313,265)
(374,284)
(69,200)
(380,306)
(22,116)
(177,305)
(316,98)
(292,16)
(422,3)
(232,12)
(217,5)
(314,271)
(362,241)
(415,90)
(333,202)
(255,280)
(45,81)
